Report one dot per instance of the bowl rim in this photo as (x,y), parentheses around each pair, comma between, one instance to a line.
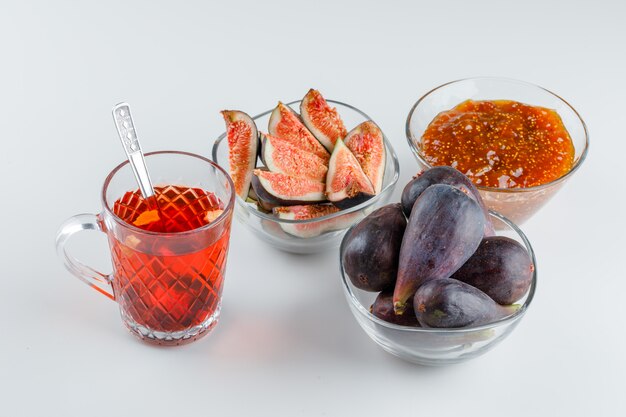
(577,163)
(391,157)
(347,288)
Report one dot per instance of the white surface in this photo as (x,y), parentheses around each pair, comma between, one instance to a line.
(287,344)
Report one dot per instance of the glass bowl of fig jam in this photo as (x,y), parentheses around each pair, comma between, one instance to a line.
(516,141)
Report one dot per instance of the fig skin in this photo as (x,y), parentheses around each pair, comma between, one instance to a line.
(383,309)
(500,267)
(444,230)
(443,175)
(268,200)
(371,249)
(357,199)
(449,303)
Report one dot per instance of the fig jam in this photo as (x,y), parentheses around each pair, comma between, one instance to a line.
(500,143)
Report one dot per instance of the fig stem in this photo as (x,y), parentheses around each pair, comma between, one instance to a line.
(510,309)
(398,308)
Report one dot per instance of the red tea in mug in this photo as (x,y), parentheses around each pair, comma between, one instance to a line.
(161,284)
(168,251)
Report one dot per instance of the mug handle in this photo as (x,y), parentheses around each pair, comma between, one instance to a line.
(97,280)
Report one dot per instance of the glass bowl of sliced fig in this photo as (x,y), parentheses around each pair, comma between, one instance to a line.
(305,181)
(430,280)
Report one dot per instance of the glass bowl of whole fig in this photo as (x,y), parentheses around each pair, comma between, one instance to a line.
(322,166)
(430,280)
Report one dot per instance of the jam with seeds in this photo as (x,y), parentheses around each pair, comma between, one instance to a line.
(500,143)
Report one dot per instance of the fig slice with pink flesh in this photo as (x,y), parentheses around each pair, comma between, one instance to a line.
(321,119)
(242,138)
(286,124)
(276,189)
(346,183)
(313,211)
(367,143)
(279,155)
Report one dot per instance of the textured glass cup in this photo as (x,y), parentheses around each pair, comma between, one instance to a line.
(517,204)
(428,346)
(271,229)
(168,285)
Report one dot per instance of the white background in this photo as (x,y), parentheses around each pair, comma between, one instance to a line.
(287,344)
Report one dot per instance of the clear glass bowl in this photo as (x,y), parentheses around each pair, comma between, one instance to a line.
(428,346)
(271,229)
(517,204)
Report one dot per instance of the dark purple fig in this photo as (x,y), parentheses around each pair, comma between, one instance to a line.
(444,229)
(274,189)
(443,175)
(383,309)
(500,267)
(451,303)
(346,183)
(370,250)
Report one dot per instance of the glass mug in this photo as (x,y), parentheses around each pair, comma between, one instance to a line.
(168,283)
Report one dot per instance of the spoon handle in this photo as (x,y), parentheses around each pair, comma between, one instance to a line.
(128,136)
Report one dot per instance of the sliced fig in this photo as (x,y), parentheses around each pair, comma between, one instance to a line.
(242,137)
(321,119)
(281,156)
(285,124)
(346,183)
(312,211)
(276,189)
(367,144)
(272,228)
